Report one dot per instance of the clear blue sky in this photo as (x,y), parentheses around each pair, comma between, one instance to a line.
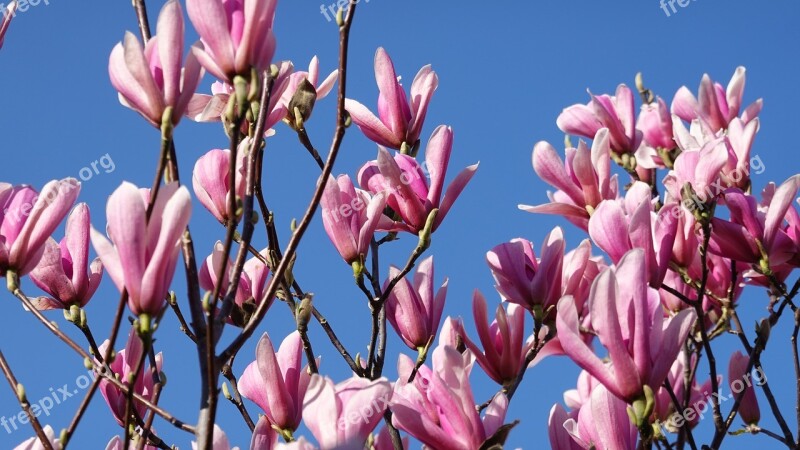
(506,70)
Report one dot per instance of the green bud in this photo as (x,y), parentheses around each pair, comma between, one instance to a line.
(21,396)
(226,392)
(12,281)
(304,311)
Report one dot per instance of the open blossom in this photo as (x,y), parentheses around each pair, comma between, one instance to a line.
(350,217)
(523,279)
(28,218)
(62,271)
(715,105)
(151,79)
(413,309)
(34,443)
(409,193)
(123,367)
(752,236)
(8,14)
(277,381)
(142,253)
(342,416)
(398,122)
(438,406)
(627,317)
(739,380)
(236,35)
(616,113)
(504,345)
(601,423)
(701,169)
(583,181)
(210,180)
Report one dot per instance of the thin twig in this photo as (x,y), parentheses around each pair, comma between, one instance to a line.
(19,393)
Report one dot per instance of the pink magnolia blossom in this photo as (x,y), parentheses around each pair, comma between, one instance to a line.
(700,168)
(583,182)
(219,440)
(616,113)
(398,122)
(503,341)
(752,236)
(342,416)
(739,380)
(264,436)
(409,193)
(142,253)
(665,409)
(211,183)
(438,406)
(655,121)
(124,366)
(602,422)
(628,319)
(560,438)
(523,279)
(35,444)
(739,140)
(62,271)
(617,227)
(715,105)
(117,443)
(350,217)
(322,88)
(27,219)
(151,79)
(8,14)
(413,309)
(236,35)
(277,382)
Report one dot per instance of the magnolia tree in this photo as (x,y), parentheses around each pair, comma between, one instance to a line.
(681,229)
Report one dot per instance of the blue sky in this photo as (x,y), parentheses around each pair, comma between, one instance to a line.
(506,70)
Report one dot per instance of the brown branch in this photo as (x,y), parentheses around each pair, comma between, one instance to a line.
(19,393)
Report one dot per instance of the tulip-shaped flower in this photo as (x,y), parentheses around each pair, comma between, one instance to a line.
(655,121)
(628,319)
(715,105)
(219,441)
(151,80)
(236,35)
(616,113)
(250,290)
(619,227)
(123,367)
(701,169)
(739,380)
(602,423)
(752,236)
(27,220)
(211,183)
(409,193)
(398,123)
(583,182)
(342,416)
(62,271)
(413,310)
(523,279)
(350,217)
(321,88)
(34,443)
(142,253)
(739,140)
(504,346)
(277,382)
(438,407)
(8,14)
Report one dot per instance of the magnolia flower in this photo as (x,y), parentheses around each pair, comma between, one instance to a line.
(601,423)
(627,317)
(665,409)
(450,420)
(277,382)
(398,122)
(715,105)
(583,182)
(236,35)
(219,440)
(701,169)
(739,140)
(8,14)
(523,279)
(504,345)
(116,443)
(211,183)
(321,88)
(264,436)
(408,191)
(342,416)
(604,111)
(27,219)
(62,271)
(151,80)
(350,217)
(123,367)
(142,253)
(655,121)
(35,444)
(413,310)
(739,380)
(560,438)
